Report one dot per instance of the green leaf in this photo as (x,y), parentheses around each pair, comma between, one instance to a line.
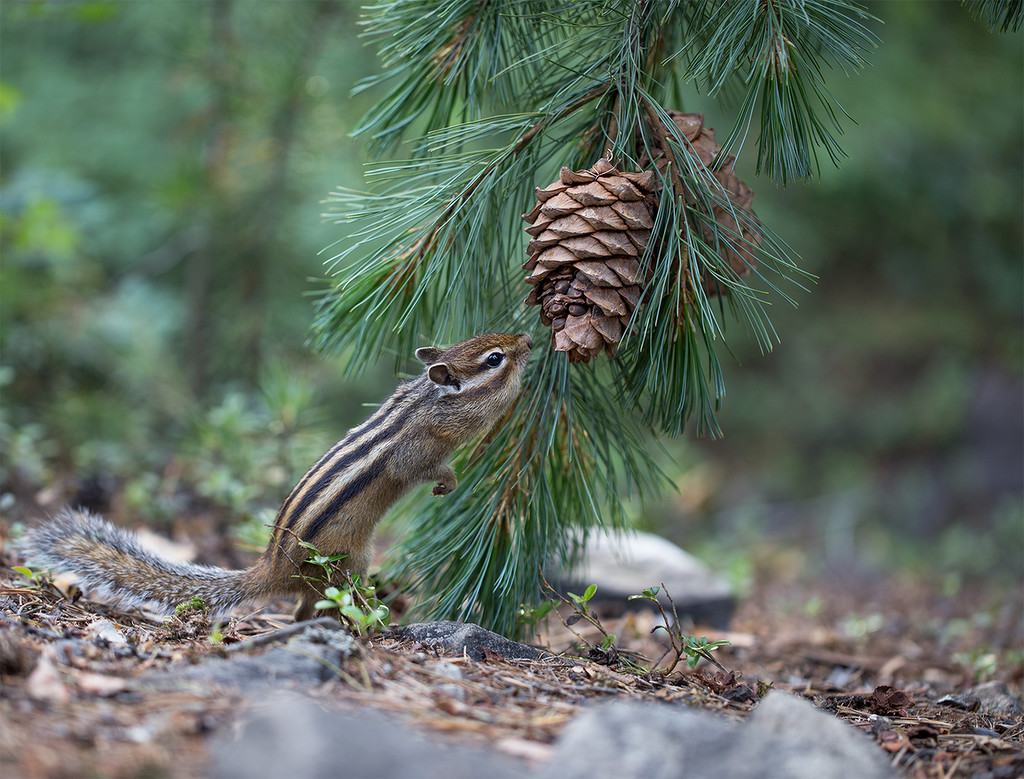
(354,613)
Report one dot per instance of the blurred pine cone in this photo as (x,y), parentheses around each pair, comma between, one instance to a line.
(738,236)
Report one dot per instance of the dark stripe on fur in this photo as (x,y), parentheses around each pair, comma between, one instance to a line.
(351,490)
(361,429)
(338,467)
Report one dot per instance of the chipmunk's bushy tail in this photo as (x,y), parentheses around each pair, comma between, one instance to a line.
(112,565)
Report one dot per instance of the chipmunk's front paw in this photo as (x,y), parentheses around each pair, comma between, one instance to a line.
(446,481)
(444,487)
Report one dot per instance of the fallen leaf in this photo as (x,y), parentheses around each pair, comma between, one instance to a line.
(887,700)
(893,740)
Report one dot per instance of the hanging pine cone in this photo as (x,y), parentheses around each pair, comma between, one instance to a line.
(589,230)
(738,252)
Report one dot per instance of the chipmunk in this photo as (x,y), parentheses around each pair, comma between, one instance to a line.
(335,507)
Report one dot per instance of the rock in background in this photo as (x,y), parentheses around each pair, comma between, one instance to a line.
(622,563)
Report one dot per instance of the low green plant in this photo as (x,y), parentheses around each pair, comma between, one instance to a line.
(36,577)
(190,621)
(328,564)
(217,633)
(605,650)
(532,616)
(357,604)
(195,604)
(693,648)
(981,663)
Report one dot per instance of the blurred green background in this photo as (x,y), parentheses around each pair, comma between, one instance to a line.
(162,166)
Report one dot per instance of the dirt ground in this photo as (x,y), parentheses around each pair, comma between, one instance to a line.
(892,657)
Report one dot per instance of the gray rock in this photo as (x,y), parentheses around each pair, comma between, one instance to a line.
(623,563)
(784,737)
(309,658)
(466,637)
(812,743)
(292,736)
(992,698)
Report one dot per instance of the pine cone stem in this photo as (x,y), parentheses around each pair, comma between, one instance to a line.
(663,133)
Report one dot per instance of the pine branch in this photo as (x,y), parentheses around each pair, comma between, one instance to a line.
(779,49)
(453,60)
(433,254)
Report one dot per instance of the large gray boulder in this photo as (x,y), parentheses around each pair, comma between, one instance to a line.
(784,737)
(291,736)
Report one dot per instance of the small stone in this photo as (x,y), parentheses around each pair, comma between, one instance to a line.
(465,637)
(45,682)
(105,630)
(784,737)
(990,698)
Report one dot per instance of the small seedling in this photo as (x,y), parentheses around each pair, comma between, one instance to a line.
(217,633)
(534,616)
(583,600)
(697,649)
(581,611)
(325,562)
(43,580)
(693,648)
(357,604)
(36,577)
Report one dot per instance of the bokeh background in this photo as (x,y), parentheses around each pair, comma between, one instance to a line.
(162,168)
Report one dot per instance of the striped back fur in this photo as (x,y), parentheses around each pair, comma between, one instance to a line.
(407,440)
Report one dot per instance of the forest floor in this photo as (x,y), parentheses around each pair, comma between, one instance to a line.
(890,656)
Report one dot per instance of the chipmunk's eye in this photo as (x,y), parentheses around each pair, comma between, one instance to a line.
(494,359)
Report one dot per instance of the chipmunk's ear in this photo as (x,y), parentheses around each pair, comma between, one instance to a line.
(428,354)
(439,373)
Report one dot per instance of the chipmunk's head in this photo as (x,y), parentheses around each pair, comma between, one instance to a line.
(480,376)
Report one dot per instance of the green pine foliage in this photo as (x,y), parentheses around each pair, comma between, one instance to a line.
(485,101)
(1001,15)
